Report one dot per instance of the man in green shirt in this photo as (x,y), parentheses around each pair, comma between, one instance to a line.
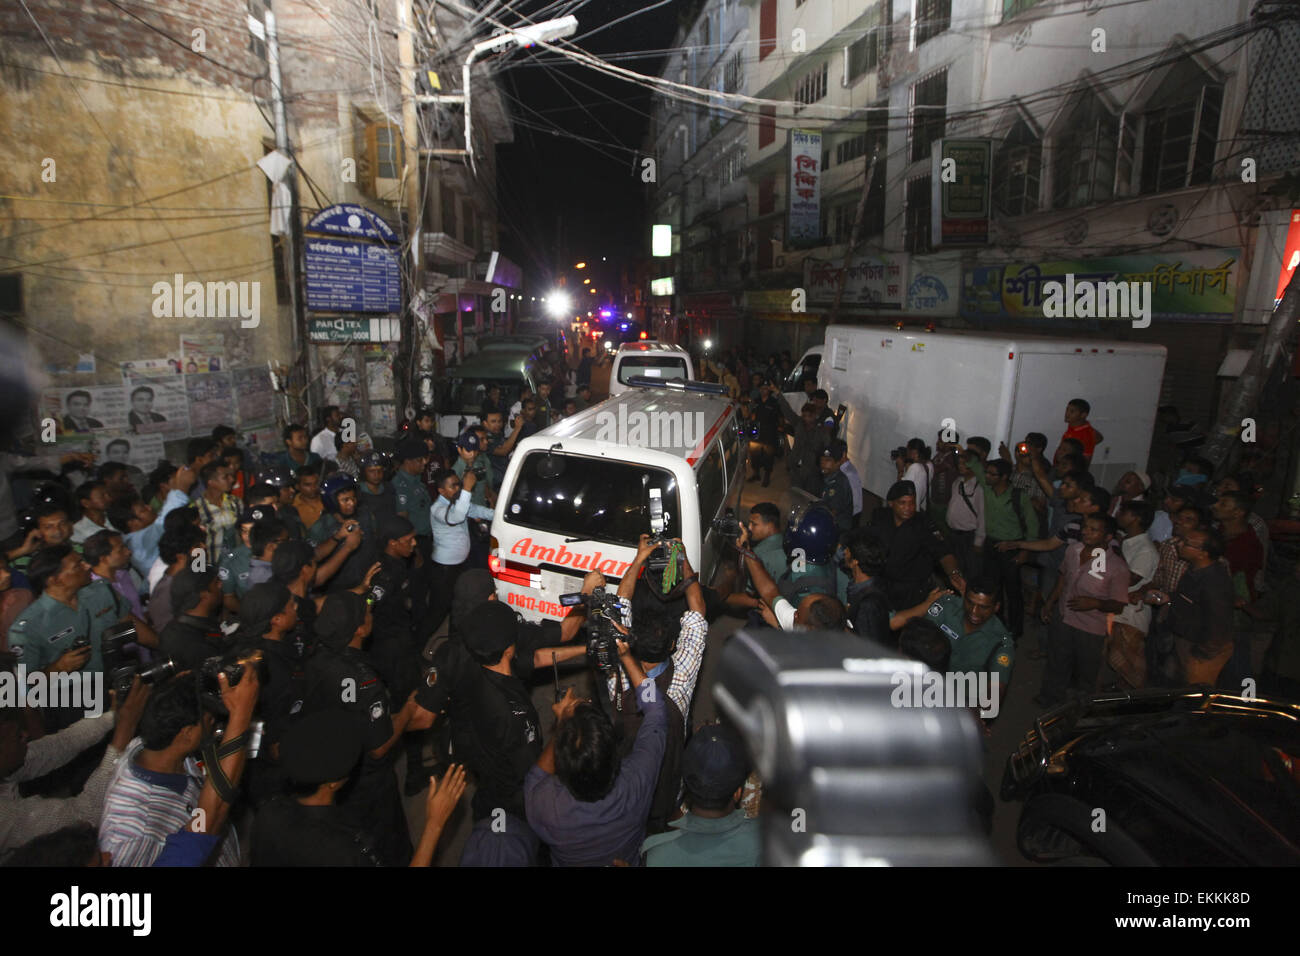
(980,642)
(713,831)
(765,539)
(1008,516)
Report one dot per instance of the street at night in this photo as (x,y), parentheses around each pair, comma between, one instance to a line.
(772,434)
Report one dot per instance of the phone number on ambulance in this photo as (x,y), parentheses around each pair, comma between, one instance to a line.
(532,604)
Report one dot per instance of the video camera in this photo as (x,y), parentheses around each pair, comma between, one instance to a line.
(123,662)
(602,611)
(728,525)
(232,665)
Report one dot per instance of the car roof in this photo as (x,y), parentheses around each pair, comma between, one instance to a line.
(498,363)
(578,433)
(647,346)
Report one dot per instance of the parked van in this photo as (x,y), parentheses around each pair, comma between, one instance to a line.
(466,385)
(577,495)
(651,359)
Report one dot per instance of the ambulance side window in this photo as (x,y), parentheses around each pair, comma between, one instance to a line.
(712,486)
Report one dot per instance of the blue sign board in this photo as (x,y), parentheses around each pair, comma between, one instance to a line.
(347,276)
(351,222)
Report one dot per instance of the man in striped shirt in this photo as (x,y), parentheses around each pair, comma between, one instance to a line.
(154,791)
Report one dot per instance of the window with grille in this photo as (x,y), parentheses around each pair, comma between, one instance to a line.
(851,149)
(766,126)
(842,222)
(916,223)
(1016,171)
(1179,131)
(861,56)
(810,88)
(1083,170)
(733,74)
(932,18)
(929,114)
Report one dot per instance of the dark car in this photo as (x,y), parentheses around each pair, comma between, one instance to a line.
(1160,778)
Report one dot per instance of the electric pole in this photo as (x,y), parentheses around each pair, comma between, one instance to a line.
(408,350)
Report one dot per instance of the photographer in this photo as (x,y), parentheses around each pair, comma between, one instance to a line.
(815,612)
(586,802)
(25,818)
(194,634)
(480,682)
(154,788)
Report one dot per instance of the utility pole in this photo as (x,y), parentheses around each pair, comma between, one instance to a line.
(289,247)
(854,234)
(408,350)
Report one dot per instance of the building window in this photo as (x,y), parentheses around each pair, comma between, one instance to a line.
(733,74)
(449,212)
(929,113)
(810,88)
(932,17)
(385,144)
(1011,8)
(916,224)
(766,126)
(851,149)
(1179,131)
(766,28)
(861,56)
(766,195)
(842,222)
(1016,171)
(1083,170)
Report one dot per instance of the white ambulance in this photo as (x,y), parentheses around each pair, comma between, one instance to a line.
(658,360)
(578,495)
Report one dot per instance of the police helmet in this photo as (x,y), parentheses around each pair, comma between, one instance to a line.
(276,476)
(812,529)
(332,486)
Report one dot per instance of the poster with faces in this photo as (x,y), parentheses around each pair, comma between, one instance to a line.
(83,411)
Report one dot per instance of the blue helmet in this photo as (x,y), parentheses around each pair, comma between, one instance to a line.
(277,476)
(332,486)
(812,529)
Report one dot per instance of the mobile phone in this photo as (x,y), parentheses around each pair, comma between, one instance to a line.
(81,641)
(1022,449)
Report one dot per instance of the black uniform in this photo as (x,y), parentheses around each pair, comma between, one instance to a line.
(286,833)
(838,497)
(355,566)
(912,549)
(189,641)
(346,680)
(495,729)
(868,612)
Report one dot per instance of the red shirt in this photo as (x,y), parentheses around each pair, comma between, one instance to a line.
(1084,434)
(1245,556)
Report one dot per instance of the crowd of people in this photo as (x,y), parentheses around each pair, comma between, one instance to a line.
(280,623)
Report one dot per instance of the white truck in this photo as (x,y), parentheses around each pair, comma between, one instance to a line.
(897,385)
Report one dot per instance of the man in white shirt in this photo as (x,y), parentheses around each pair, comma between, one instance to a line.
(1126,644)
(449,515)
(918,471)
(92,499)
(322,442)
(966,517)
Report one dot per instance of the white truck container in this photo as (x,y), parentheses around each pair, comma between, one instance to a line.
(898,385)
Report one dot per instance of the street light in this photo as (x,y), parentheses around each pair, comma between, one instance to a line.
(559,305)
(524,37)
(581,265)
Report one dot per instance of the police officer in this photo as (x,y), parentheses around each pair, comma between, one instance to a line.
(61,629)
(811,539)
(195,633)
(471,456)
(341,678)
(341,519)
(294,566)
(913,545)
(377,494)
(233,567)
(306,827)
(837,496)
(268,617)
(281,480)
(413,501)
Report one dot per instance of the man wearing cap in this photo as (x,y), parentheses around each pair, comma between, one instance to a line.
(233,567)
(341,678)
(479,683)
(267,621)
(345,528)
(1132,487)
(450,516)
(305,827)
(714,831)
(837,496)
(470,457)
(194,633)
(913,545)
(412,497)
(377,495)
